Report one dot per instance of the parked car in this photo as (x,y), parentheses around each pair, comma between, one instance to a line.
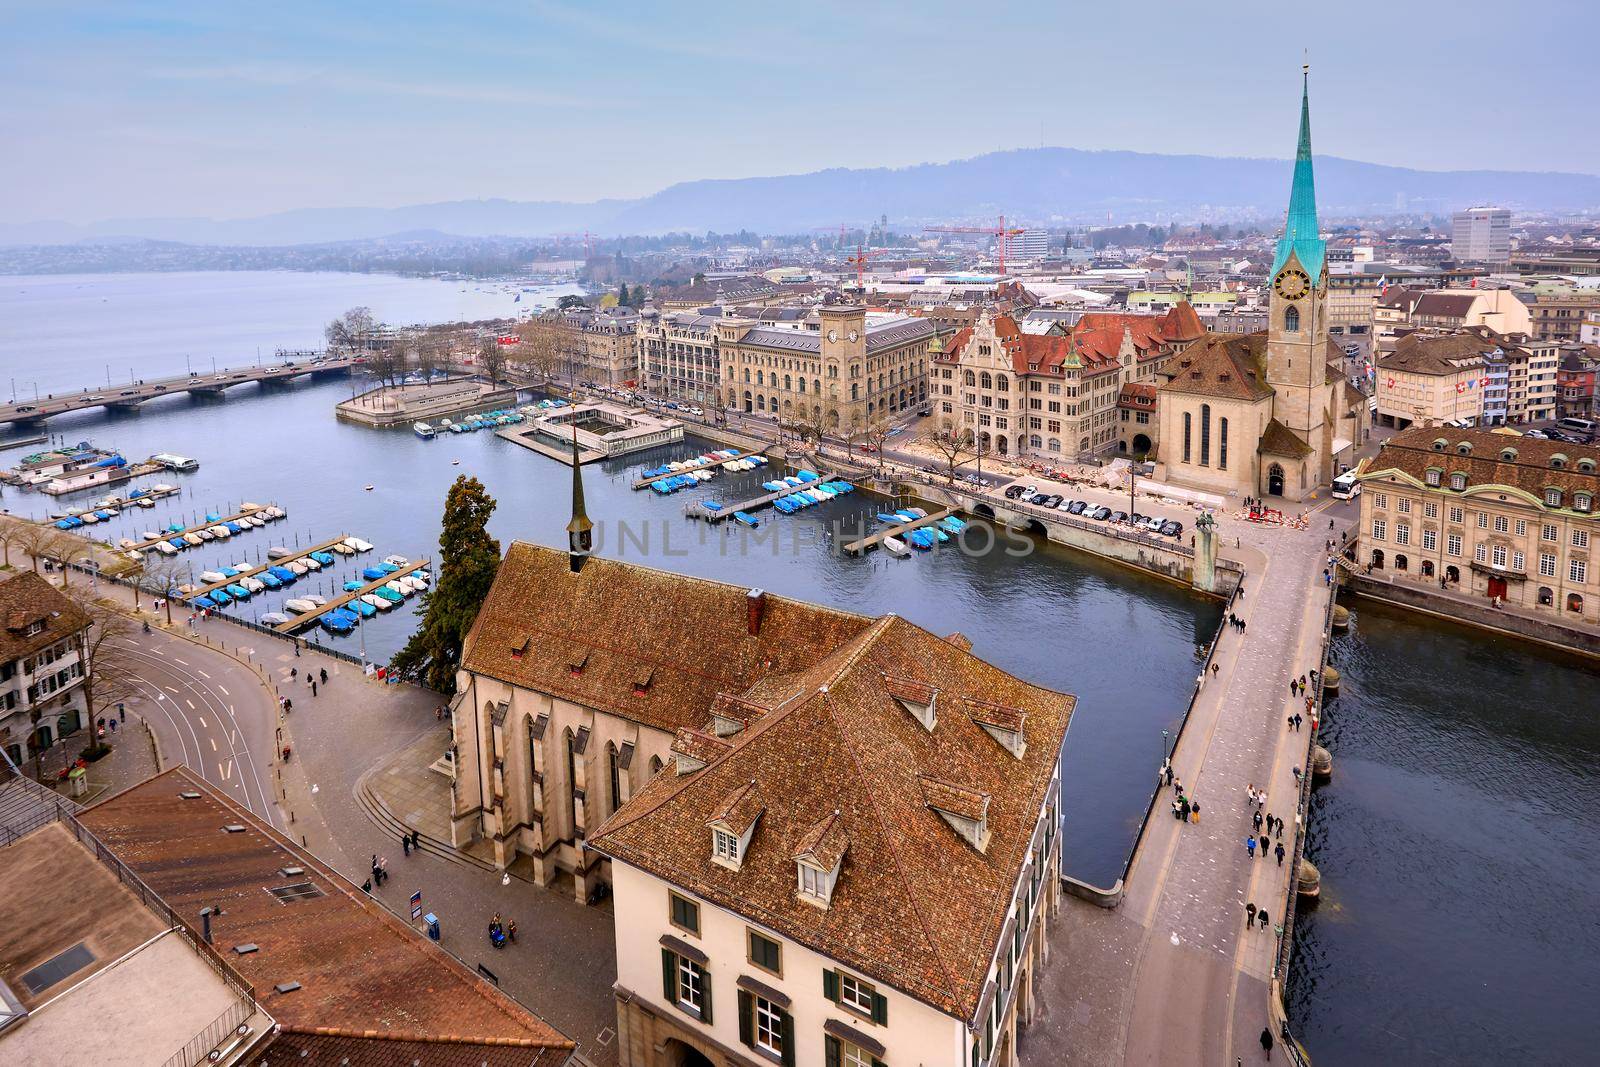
(1101,514)
(894,431)
(1012,491)
(1119,516)
(1066,505)
(1054,501)
(1172,528)
(1032,490)
(25,407)
(1154,523)
(1079,507)
(1040,499)
(1136,519)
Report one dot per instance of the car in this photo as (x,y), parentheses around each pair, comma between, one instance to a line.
(1100,514)
(1136,519)
(1172,528)
(894,431)
(25,407)
(1154,523)
(127,392)
(1012,491)
(672,405)
(95,399)
(924,412)
(697,412)
(1538,435)
(1065,505)
(1079,507)
(1032,490)
(1054,501)
(1119,516)
(1039,499)
(867,448)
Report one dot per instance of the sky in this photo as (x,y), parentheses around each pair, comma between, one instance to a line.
(227,110)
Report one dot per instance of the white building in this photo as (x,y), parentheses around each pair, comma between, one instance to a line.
(1481,235)
(41,665)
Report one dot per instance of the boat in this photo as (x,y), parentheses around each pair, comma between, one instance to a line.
(211,577)
(324,558)
(279,551)
(358,544)
(376,601)
(894,546)
(309,563)
(193,539)
(395,561)
(372,574)
(343,549)
(270,580)
(297,568)
(220,597)
(283,574)
(884,516)
(238,592)
(397,587)
(362,608)
(422,576)
(299,605)
(746,519)
(423,430)
(202,602)
(255,585)
(315,599)
(388,594)
(164,548)
(338,621)
(352,585)
(273,618)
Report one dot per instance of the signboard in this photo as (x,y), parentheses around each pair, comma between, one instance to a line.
(416,904)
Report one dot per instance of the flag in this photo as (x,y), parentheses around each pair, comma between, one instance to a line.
(1383,285)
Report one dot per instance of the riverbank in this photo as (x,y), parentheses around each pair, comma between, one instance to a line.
(1548,630)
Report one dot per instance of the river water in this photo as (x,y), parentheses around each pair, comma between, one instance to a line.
(1457,921)
(1122,642)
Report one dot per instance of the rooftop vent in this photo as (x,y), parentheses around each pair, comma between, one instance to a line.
(188,794)
(291,872)
(287,987)
(297,891)
(235,828)
(57,968)
(247,948)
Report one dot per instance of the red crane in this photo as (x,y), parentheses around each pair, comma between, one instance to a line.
(862,258)
(1000,233)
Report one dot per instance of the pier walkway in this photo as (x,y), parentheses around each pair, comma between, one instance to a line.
(873,540)
(253,571)
(714,468)
(242,513)
(1172,974)
(33,412)
(300,622)
(698,510)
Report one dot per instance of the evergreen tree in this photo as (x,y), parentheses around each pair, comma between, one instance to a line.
(622,294)
(468,558)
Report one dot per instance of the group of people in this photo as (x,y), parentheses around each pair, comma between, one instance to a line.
(380,872)
(1236,622)
(1184,809)
(411,842)
(500,932)
(1265,826)
(311,679)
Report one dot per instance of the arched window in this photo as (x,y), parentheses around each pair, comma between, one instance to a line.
(972,379)
(985,381)
(1002,383)
(1035,441)
(1054,444)
(1205,435)
(1222,444)
(1291,320)
(655,766)
(802,384)
(1186,434)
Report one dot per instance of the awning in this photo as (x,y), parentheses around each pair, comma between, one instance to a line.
(1340,445)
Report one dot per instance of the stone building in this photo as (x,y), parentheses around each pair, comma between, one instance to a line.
(1510,518)
(1433,379)
(42,662)
(600,347)
(1267,414)
(678,356)
(1402,310)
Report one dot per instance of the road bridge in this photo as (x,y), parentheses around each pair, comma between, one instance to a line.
(34,412)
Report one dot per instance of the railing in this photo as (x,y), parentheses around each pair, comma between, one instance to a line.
(198,1048)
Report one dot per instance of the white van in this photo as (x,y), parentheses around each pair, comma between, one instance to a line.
(1584,428)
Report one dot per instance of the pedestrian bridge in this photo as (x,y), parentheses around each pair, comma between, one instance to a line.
(22,412)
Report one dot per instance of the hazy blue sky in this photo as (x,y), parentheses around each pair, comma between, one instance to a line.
(230,109)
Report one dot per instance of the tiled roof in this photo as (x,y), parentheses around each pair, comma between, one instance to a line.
(845,772)
(291,1049)
(1221,364)
(1412,452)
(362,972)
(1436,354)
(620,619)
(1445,305)
(26,598)
(1278,440)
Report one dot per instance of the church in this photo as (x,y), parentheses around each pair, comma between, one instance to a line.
(1267,414)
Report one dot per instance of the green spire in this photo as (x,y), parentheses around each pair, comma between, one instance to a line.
(580,531)
(1301,235)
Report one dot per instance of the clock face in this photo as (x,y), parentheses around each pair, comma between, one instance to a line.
(833,335)
(1292,284)
(853,336)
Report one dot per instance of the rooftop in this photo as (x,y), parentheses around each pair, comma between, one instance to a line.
(27,599)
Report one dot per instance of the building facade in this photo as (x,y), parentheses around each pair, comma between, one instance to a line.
(678,356)
(600,347)
(1481,235)
(1505,518)
(43,659)
(1559,311)
(1434,379)
(1404,310)
(1575,381)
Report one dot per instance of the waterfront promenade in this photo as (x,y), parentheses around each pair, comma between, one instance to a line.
(1172,975)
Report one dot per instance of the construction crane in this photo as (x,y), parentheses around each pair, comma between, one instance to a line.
(999,233)
(586,236)
(862,258)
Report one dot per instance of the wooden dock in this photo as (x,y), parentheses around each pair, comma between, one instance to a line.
(714,468)
(253,571)
(862,544)
(140,546)
(698,510)
(300,622)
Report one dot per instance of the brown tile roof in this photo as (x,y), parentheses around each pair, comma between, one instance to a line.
(843,771)
(1278,440)
(1437,354)
(342,1050)
(1412,452)
(362,972)
(1444,305)
(956,799)
(619,620)
(1222,365)
(26,598)
(742,807)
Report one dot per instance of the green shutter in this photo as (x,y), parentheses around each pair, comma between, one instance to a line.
(705,994)
(669,975)
(830,1051)
(877,1062)
(786,1029)
(880,1009)
(830,985)
(747,1019)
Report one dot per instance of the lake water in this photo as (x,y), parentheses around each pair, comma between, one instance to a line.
(1122,642)
(1457,922)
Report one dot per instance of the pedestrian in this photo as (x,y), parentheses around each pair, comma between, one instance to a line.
(1243,626)
(1177,787)
(1169,772)
(1183,808)
(1175,813)
(1297,774)
(366,887)
(1250,846)
(113,725)
(1292,688)
(1266,1042)
(1297,721)
(1256,819)
(438,713)
(1280,828)
(1196,810)
(294,672)
(1261,917)
(405,843)
(324,675)
(1250,792)
(1214,670)
(1249,916)
(313,688)
(383,869)
(416,840)
(288,705)
(1261,800)
(296,649)
(1290,720)
(511,931)
(122,712)
(1279,853)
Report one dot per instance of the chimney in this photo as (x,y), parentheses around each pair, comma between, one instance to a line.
(755,603)
(205,924)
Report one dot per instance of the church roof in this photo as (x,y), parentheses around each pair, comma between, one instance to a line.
(1301,236)
(1222,365)
(1278,440)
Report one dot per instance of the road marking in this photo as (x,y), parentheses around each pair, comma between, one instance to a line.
(222,690)
(173,690)
(224,768)
(202,719)
(213,744)
(185,662)
(203,674)
(189,702)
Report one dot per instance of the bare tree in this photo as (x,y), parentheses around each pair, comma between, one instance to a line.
(492,358)
(429,355)
(954,445)
(542,348)
(161,578)
(352,330)
(876,434)
(34,539)
(108,671)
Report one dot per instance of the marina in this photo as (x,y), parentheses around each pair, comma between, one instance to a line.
(714,512)
(897,533)
(178,538)
(280,561)
(372,587)
(721,461)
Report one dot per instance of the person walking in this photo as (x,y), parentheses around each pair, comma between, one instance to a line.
(313,688)
(1250,846)
(1261,917)
(1195,810)
(405,843)
(1290,721)
(511,931)
(1292,688)
(1297,721)
(288,705)
(1261,800)
(323,674)
(1177,787)
(1256,819)
(1279,853)
(1249,916)
(1250,793)
(1266,1042)
(416,840)
(1214,670)
(1183,808)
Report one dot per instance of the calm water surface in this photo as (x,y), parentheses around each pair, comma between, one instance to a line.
(1457,922)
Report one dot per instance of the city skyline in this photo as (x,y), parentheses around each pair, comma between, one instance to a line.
(205,112)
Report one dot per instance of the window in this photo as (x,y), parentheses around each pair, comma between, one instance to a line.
(1432,476)
(1205,435)
(1518,561)
(1430,539)
(1498,557)
(1403,505)
(813,882)
(1582,502)
(1291,320)
(1458,482)
(1480,552)
(1580,538)
(691,984)
(1483,520)
(1430,510)
(1380,530)
(1552,498)
(1501,525)
(724,846)
(1548,532)
(1578,571)
(1380,500)
(769,1026)
(1456,514)
(1522,527)
(1186,419)
(1547,565)
(854,1055)
(685,914)
(1222,440)
(1453,544)
(686,984)
(1402,533)
(856,996)
(765,952)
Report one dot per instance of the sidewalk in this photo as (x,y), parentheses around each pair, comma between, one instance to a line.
(1172,975)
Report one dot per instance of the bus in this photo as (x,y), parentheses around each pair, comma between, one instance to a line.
(1346,487)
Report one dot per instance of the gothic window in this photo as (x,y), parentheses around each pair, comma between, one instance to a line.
(1222,444)
(1205,435)
(1186,425)
(1291,320)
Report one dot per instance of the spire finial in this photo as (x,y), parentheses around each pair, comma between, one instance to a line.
(580,531)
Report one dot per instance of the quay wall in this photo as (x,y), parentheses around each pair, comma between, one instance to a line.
(1421,599)
(457,401)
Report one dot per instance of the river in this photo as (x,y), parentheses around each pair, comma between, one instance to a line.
(1457,918)
(1123,643)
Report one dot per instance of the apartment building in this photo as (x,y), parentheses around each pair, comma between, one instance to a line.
(1047,395)
(1575,381)
(42,662)
(1432,379)
(1481,235)
(1350,301)
(771,883)
(600,346)
(678,356)
(1506,518)
(1559,311)
(1402,310)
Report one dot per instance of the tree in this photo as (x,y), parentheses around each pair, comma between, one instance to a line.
(492,358)
(108,676)
(468,559)
(876,433)
(34,539)
(161,578)
(353,329)
(542,345)
(953,444)
(568,302)
(622,294)
(429,355)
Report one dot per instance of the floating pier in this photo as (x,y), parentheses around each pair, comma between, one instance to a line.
(714,468)
(243,513)
(862,544)
(300,622)
(699,510)
(253,571)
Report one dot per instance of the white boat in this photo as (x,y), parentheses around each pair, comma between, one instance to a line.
(192,539)
(252,584)
(411,584)
(423,576)
(377,601)
(894,546)
(299,605)
(220,531)
(315,599)
(310,564)
(273,618)
(204,535)
(422,430)
(396,587)
(343,549)
(918,512)
(396,561)
(164,548)
(150,535)
(279,551)
(242,567)
(358,544)
(298,567)
(211,577)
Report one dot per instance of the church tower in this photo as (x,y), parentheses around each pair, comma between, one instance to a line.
(1297,331)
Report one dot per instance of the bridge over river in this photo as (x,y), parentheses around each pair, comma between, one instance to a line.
(25,412)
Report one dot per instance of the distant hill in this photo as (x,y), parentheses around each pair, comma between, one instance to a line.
(1035,185)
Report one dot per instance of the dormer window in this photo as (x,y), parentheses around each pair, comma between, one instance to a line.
(520,650)
(1552,498)
(965,810)
(1433,476)
(816,884)
(1440,444)
(1464,448)
(1558,461)
(576,664)
(1582,502)
(733,824)
(1586,466)
(725,847)
(1458,481)
(33,628)
(918,698)
(819,858)
(1508,455)
(1002,723)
